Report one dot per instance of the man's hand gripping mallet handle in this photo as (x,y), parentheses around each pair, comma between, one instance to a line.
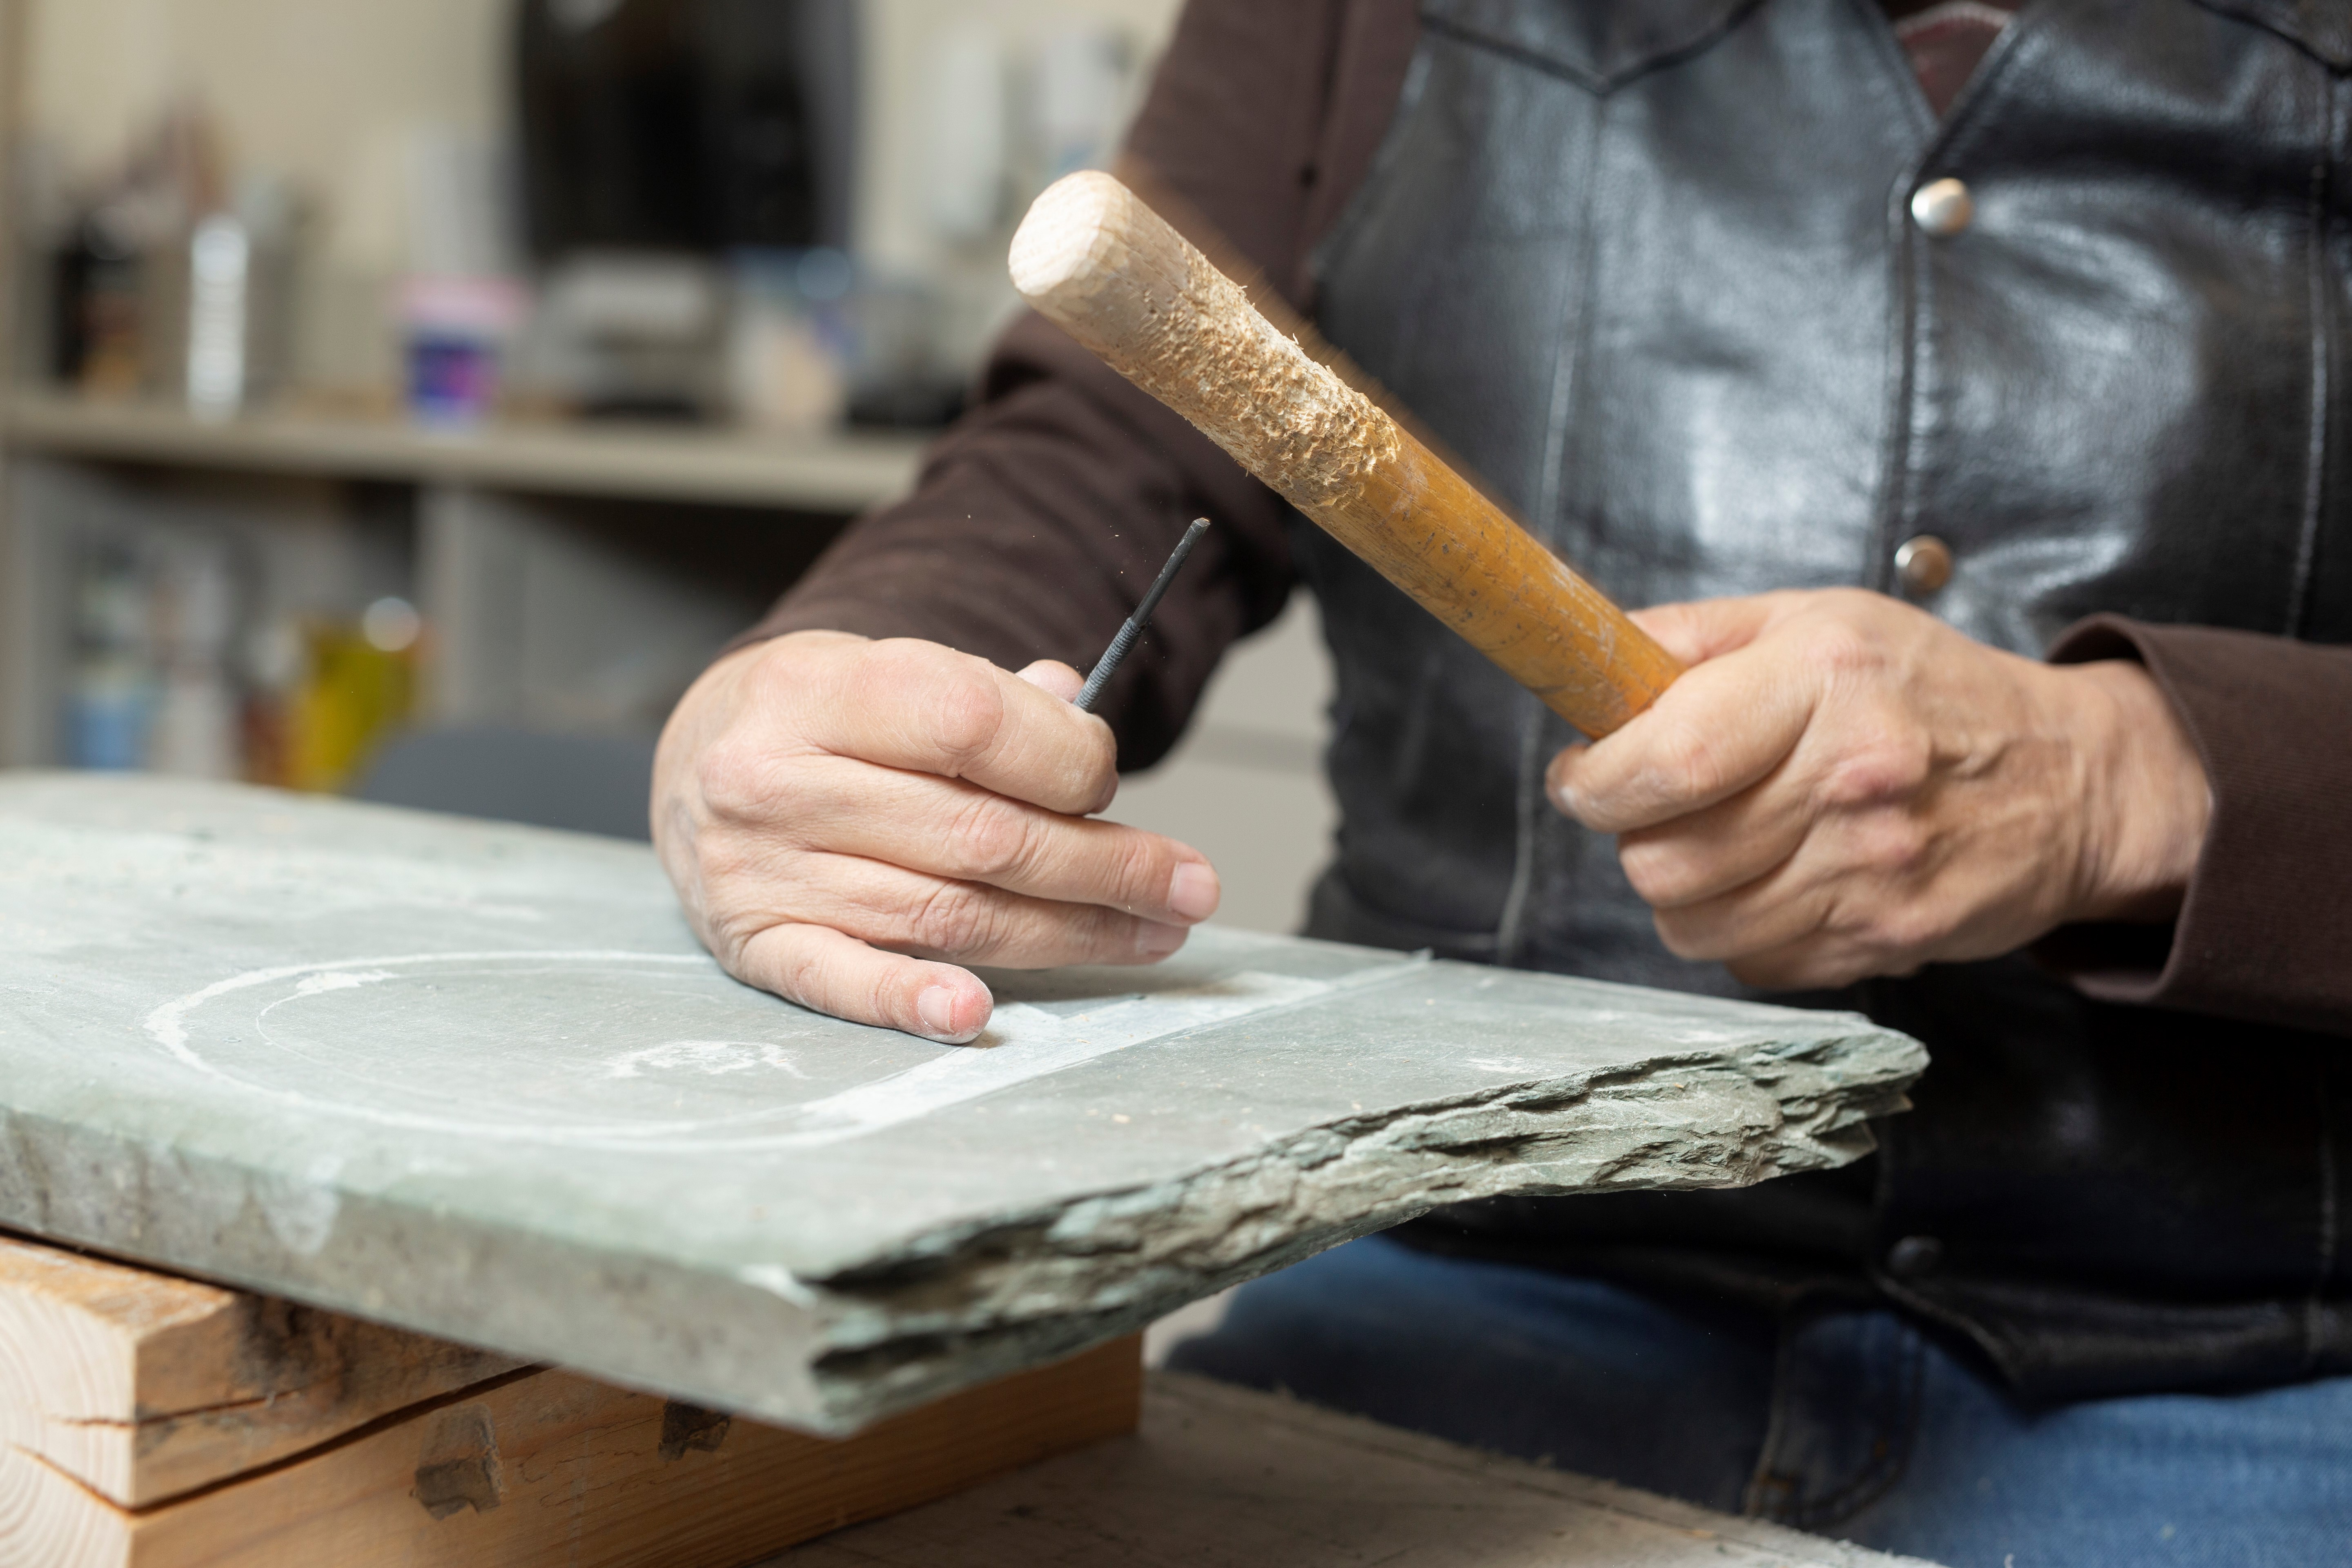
(1093,258)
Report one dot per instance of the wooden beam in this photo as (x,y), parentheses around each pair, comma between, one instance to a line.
(142,1387)
(1219,1476)
(118,1384)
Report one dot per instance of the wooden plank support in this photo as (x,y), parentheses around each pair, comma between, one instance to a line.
(1219,1476)
(150,1422)
(143,1387)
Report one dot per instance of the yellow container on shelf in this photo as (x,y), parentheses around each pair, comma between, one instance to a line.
(353,693)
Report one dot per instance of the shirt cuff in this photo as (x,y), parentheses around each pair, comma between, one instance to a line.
(2264,931)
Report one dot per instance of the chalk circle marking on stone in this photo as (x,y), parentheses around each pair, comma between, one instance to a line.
(619,1095)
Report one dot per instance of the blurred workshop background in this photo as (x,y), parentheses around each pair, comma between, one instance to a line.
(408,399)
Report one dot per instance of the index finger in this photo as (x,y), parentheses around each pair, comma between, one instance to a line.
(929,709)
(1720,728)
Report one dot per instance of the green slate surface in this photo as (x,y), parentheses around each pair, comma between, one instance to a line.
(481,1081)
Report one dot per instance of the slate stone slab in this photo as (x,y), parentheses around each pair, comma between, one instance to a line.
(480,1081)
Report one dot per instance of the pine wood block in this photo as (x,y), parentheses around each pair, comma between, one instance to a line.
(1218,1477)
(143,1387)
(108,1385)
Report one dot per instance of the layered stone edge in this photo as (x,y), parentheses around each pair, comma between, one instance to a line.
(961,1304)
(988,1297)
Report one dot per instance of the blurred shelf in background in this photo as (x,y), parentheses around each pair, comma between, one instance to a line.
(286,214)
(272,595)
(843,473)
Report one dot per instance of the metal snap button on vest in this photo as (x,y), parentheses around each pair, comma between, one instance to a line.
(1942,207)
(1925,564)
(1915,1257)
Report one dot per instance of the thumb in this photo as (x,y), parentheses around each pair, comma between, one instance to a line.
(1702,629)
(1052,674)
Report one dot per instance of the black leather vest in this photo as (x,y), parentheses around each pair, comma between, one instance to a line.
(1648,267)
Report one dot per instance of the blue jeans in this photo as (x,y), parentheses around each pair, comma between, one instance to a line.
(1846,1421)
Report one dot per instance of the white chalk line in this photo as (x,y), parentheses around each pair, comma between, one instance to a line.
(167,1025)
(1026,1043)
(1036,1043)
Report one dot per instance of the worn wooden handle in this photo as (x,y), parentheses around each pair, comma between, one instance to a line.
(1094,259)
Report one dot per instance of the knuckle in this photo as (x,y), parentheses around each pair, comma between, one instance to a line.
(1688,762)
(955,918)
(822,975)
(735,900)
(735,777)
(965,716)
(1901,849)
(731,946)
(806,976)
(1837,648)
(1890,845)
(964,711)
(1103,934)
(1658,873)
(1138,874)
(951,698)
(744,946)
(987,839)
(845,992)
(885,1005)
(1890,767)
(1878,934)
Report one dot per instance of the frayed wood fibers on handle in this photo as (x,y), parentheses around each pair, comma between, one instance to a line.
(1103,266)
(1094,259)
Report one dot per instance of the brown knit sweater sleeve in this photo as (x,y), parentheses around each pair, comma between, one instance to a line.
(1040,518)
(2265,933)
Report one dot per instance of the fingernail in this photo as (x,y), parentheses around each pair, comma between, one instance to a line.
(1192,891)
(936,1007)
(1157,940)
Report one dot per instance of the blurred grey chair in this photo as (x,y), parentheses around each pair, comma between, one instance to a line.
(588,783)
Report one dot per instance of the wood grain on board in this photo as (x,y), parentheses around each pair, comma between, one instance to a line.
(116,1384)
(143,1387)
(1218,1477)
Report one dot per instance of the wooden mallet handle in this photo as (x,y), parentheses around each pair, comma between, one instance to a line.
(1092,258)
